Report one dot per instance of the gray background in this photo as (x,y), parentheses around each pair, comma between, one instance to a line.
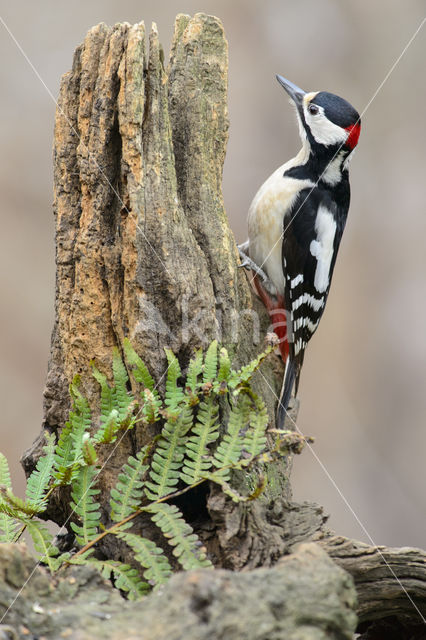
(362,391)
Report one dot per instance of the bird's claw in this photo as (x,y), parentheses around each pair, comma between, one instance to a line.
(250,265)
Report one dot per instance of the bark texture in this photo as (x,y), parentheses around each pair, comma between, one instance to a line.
(144,251)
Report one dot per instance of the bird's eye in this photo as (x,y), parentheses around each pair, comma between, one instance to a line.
(313,109)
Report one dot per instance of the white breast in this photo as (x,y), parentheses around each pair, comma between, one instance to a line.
(266,219)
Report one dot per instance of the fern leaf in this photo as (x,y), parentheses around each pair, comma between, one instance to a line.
(8,524)
(65,467)
(17,505)
(244,375)
(140,372)
(80,419)
(152,558)
(84,505)
(43,542)
(217,478)
(210,363)
(230,447)
(174,394)
(224,366)
(204,432)
(39,480)
(168,456)
(255,437)
(125,577)
(128,492)
(5,479)
(195,369)
(187,547)
(107,432)
(151,406)
(107,396)
(121,398)
(88,450)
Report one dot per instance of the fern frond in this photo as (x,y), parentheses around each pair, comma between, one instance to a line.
(217,478)
(16,504)
(8,524)
(121,398)
(128,492)
(140,372)
(230,448)
(174,396)
(107,432)
(157,567)
(195,369)
(107,396)
(205,431)
(151,406)
(125,577)
(88,450)
(187,547)
(224,366)
(84,505)
(43,542)
(255,437)
(65,466)
(210,363)
(168,456)
(5,479)
(39,480)
(80,418)
(245,374)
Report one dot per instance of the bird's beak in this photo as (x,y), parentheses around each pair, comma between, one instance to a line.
(295,92)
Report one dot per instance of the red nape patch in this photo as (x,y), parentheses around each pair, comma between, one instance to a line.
(353,137)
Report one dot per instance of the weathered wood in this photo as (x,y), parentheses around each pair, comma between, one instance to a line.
(143,245)
(389,581)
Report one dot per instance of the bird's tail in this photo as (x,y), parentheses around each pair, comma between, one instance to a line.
(286,389)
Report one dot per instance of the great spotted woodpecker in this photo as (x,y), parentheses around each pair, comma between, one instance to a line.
(296,222)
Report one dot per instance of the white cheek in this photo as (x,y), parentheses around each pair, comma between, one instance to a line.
(324,131)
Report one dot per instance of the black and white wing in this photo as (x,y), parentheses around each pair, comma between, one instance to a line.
(312,234)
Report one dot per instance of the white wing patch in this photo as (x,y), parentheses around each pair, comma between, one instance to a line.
(322,247)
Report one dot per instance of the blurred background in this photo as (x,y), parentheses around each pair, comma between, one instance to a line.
(362,393)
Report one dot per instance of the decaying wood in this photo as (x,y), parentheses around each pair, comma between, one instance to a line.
(144,250)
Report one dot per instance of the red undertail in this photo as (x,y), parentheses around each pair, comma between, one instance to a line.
(276,310)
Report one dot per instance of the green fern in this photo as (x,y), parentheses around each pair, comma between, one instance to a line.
(65,465)
(122,399)
(168,456)
(210,363)
(255,437)
(175,396)
(40,479)
(84,505)
(125,577)
(140,371)
(195,368)
(8,524)
(224,366)
(80,419)
(230,448)
(193,447)
(128,492)
(107,395)
(187,547)
(205,431)
(43,542)
(157,567)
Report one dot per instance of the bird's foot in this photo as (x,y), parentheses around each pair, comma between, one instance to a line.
(249,264)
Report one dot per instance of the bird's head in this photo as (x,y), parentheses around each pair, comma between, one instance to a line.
(326,121)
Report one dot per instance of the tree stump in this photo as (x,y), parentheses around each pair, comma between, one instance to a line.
(144,251)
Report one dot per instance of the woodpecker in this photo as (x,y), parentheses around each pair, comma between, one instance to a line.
(296,222)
